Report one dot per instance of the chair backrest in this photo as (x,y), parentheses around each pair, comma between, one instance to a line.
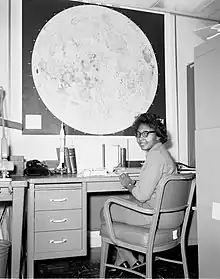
(174,195)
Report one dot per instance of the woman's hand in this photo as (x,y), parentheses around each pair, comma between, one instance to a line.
(125,180)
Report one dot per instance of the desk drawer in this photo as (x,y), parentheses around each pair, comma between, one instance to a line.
(58,220)
(106,186)
(58,241)
(58,199)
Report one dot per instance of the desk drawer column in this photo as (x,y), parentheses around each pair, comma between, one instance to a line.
(59,222)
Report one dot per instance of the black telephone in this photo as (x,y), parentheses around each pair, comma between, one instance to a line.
(36,168)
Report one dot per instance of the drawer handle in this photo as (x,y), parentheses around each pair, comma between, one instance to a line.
(58,221)
(58,241)
(58,200)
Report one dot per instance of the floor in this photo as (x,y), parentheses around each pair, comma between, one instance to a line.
(88,267)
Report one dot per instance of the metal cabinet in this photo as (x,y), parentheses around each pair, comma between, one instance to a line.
(207,102)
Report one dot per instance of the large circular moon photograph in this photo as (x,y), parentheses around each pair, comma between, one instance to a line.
(94,69)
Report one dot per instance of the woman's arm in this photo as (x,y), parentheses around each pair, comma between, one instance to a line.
(149,178)
(127,182)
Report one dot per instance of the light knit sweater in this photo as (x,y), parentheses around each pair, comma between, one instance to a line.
(158,163)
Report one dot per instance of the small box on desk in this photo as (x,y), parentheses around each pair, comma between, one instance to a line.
(18,165)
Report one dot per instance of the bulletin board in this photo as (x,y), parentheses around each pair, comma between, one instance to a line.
(36,13)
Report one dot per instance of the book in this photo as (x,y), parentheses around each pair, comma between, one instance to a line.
(72,157)
(67,160)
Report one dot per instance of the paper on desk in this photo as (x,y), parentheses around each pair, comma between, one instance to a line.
(129,171)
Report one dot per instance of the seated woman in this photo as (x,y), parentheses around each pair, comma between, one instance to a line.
(151,134)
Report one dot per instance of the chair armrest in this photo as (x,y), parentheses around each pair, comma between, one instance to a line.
(128,204)
(123,203)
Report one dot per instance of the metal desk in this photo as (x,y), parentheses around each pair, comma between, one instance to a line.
(54,196)
(55,184)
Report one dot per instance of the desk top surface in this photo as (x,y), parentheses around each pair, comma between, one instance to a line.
(68,178)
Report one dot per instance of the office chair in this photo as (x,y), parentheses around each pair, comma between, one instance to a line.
(168,228)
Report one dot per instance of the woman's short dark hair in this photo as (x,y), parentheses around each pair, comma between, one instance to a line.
(152,121)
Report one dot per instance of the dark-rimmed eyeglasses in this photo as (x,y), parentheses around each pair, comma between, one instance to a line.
(143,134)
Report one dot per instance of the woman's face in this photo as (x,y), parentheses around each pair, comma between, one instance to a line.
(146,140)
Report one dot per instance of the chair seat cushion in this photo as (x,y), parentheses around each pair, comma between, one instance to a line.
(137,235)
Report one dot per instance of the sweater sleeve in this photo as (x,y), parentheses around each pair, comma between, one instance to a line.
(149,178)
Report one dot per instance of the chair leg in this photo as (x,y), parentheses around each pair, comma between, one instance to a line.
(103,260)
(184,259)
